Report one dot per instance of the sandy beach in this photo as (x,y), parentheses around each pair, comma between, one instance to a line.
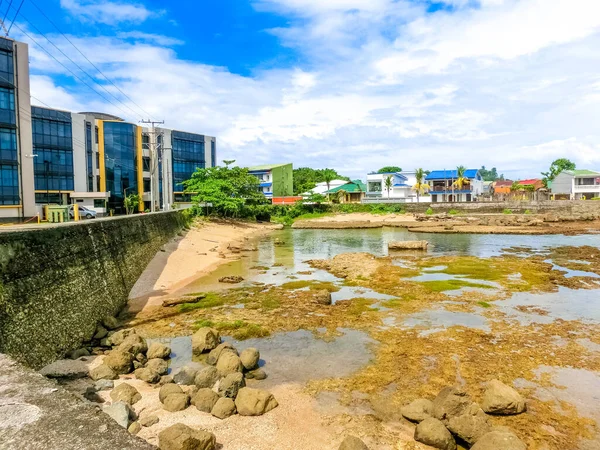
(197,252)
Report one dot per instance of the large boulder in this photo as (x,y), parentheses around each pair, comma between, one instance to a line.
(104,385)
(176,402)
(224,408)
(205,399)
(450,402)
(434,433)
(470,428)
(148,375)
(418,410)
(352,443)
(231,385)
(499,440)
(103,372)
(250,358)
(214,354)
(133,344)
(228,363)
(118,337)
(256,374)
(125,393)
(207,377)
(322,297)
(254,402)
(204,340)
(158,350)
(66,368)
(167,390)
(182,437)
(160,366)
(502,399)
(120,412)
(119,361)
(185,375)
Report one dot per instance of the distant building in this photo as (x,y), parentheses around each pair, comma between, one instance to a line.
(276,180)
(351,192)
(402,186)
(321,187)
(537,183)
(501,187)
(576,185)
(443,188)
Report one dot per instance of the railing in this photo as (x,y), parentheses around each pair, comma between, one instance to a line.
(450,188)
(587,187)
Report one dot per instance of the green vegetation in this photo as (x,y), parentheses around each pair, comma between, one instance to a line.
(557,166)
(306,178)
(420,187)
(507,211)
(429,212)
(484,304)
(311,284)
(359,306)
(238,329)
(131,203)
(451,285)
(490,175)
(390,169)
(528,212)
(461,179)
(388,183)
(453,212)
(210,301)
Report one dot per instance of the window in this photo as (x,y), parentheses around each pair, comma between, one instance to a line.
(99,203)
(147,185)
(89,152)
(79,200)
(121,162)
(188,155)
(96,136)
(6,67)
(7,106)
(146,164)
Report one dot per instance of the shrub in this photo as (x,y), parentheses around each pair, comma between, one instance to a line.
(429,212)
(453,212)
(507,211)
(527,212)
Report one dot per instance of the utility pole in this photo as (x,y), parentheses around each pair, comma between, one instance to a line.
(154,149)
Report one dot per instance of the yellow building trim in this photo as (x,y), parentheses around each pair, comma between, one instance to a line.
(44,191)
(11,206)
(102,157)
(140,167)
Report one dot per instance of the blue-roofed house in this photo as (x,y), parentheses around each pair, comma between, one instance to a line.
(402,186)
(443,187)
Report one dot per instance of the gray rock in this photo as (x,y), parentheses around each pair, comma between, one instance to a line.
(134,344)
(204,340)
(499,440)
(119,361)
(254,402)
(176,402)
(165,379)
(231,384)
(352,443)
(250,358)
(101,332)
(66,368)
(103,372)
(134,428)
(120,412)
(182,437)
(92,395)
(214,354)
(205,399)
(229,363)
(322,297)
(185,375)
(418,410)
(224,408)
(450,402)
(158,350)
(469,428)
(148,421)
(167,390)
(502,399)
(257,374)
(104,385)
(147,375)
(110,323)
(160,366)
(432,432)
(76,354)
(207,377)
(116,338)
(125,393)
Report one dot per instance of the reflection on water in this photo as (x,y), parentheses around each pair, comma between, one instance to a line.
(439,319)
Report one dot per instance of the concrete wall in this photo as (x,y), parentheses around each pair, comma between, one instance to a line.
(57,282)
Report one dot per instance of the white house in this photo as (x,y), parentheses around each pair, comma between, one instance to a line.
(576,184)
(401,189)
(321,188)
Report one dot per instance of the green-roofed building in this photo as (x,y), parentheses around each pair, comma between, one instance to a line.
(276,180)
(351,192)
(576,185)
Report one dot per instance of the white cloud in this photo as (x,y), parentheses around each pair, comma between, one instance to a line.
(108,12)
(158,39)
(511,83)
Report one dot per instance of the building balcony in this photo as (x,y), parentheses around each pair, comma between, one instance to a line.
(587,188)
(449,189)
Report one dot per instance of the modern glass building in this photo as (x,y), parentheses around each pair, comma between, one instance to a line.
(188,155)
(9,159)
(53,155)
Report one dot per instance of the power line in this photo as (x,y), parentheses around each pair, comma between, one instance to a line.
(87,59)
(15,18)
(6,13)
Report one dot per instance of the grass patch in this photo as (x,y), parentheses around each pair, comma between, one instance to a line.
(453,212)
(429,212)
(261,268)
(359,306)
(484,304)
(507,211)
(451,285)
(312,285)
(238,329)
(210,301)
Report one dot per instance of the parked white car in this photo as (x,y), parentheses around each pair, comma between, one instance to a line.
(83,212)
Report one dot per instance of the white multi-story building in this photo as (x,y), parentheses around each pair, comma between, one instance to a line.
(576,184)
(402,186)
(443,187)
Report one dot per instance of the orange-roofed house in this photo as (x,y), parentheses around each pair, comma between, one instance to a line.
(535,182)
(502,186)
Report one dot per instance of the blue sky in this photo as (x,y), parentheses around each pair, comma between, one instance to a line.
(349,84)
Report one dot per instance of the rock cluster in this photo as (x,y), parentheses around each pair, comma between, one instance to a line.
(453,416)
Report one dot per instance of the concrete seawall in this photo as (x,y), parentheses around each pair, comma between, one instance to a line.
(56,283)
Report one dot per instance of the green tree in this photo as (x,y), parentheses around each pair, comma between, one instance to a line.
(131,203)
(390,169)
(328,176)
(388,183)
(461,179)
(490,175)
(224,190)
(420,186)
(557,167)
(306,178)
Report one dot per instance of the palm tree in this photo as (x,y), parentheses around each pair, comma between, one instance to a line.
(341,196)
(328,176)
(420,186)
(461,179)
(388,185)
